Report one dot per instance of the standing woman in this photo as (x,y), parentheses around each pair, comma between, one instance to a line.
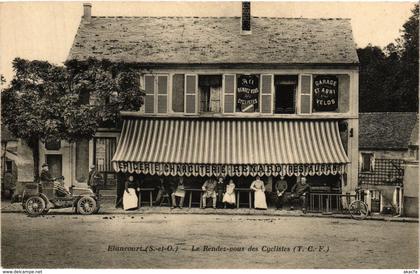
(130,199)
(259,197)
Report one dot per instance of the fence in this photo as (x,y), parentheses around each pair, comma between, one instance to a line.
(329,202)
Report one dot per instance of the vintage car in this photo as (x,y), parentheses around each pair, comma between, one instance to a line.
(38,198)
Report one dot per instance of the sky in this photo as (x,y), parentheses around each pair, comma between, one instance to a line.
(45,30)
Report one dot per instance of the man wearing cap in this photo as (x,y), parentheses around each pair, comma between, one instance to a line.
(45,177)
(94,180)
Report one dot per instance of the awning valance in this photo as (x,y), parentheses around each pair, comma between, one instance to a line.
(196,147)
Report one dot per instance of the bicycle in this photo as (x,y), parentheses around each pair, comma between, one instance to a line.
(358,209)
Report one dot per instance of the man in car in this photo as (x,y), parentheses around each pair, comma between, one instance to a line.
(45,177)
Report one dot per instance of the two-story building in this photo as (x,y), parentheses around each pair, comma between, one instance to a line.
(232,96)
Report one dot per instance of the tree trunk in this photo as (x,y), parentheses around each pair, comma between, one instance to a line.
(34,145)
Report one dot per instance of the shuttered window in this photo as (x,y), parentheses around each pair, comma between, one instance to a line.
(162,93)
(149,101)
(178,92)
(191,94)
(266,93)
(156,88)
(305,94)
(229,93)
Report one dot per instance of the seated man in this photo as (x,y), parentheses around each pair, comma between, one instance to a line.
(179,192)
(299,191)
(280,188)
(59,188)
(209,188)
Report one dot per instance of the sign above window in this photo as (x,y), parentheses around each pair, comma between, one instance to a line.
(325,93)
(247,93)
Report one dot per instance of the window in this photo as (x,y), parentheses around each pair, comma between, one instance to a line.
(285,93)
(53,145)
(367,162)
(156,89)
(104,149)
(414,152)
(248,93)
(305,94)
(210,90)
(178,93)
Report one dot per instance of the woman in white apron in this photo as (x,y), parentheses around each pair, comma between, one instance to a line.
(130,199)
(259,198)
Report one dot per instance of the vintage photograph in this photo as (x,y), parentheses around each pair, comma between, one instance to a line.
(209,135)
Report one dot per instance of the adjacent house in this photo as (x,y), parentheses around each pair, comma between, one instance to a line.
(387,142)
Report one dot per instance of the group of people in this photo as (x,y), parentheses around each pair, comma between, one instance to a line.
(222,194)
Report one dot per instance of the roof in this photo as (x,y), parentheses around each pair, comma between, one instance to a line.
(231,143)
(215,40)
(386,130)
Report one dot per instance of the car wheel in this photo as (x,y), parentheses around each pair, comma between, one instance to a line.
(34,206)
(86,205)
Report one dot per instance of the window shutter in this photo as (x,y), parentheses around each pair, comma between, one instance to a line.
(162,95)
(266,93)
(229,93)
(149,87)
(178,92)
(305,94)
(190,93)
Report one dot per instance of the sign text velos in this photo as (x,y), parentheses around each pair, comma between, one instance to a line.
(325,93)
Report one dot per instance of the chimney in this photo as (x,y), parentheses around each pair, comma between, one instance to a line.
(246,17)
(87,11)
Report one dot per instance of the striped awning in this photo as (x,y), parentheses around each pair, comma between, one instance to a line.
(204,147)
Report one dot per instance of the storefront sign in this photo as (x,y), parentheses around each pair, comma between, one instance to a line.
(247,93)
(325,95)
(228,170)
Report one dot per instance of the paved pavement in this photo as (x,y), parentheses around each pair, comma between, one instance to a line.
(131,240)
(108,208)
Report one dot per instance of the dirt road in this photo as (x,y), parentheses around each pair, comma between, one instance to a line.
(204,241)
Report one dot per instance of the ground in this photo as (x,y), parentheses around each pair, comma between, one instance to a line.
(63,240)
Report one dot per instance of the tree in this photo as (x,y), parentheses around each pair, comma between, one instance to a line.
(389,77)
(45,102)
(409,44)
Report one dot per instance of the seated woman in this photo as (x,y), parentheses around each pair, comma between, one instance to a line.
(130,199)
(180,193)
(229,198)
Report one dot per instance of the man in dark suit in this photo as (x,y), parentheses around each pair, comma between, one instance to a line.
(94,180)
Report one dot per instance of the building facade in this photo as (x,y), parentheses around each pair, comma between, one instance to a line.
(389,160)
(237,97)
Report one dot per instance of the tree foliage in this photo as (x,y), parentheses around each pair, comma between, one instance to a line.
(389,76)
(45,102)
